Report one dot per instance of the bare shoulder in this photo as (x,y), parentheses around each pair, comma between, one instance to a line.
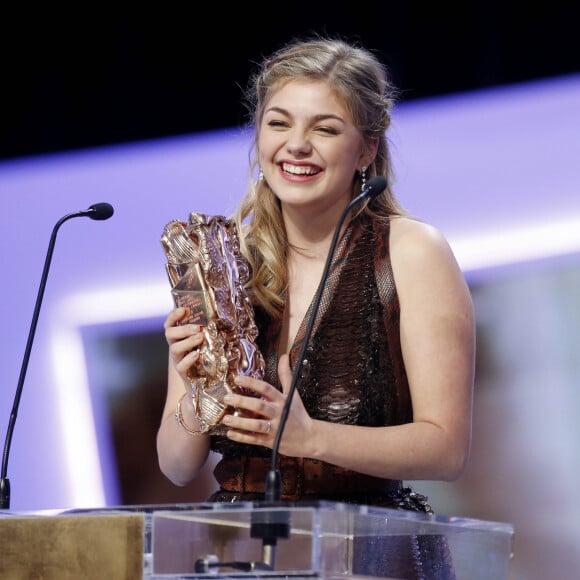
(413,238)
(420,251)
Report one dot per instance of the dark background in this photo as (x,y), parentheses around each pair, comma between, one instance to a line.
(94,75)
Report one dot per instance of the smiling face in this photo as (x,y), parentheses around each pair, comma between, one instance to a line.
(309,147)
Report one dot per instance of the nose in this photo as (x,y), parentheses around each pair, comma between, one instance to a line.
(298,143)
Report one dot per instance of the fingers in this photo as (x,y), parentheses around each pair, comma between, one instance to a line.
(184,361)
(174,317)
(175,331)
(258,417)
(254,406)
(184,340)
(261,388)
(247,430)
(182,344)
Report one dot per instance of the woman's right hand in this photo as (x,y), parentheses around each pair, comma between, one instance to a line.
(181,451)
(184,341)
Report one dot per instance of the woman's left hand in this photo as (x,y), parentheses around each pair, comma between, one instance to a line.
(266,410)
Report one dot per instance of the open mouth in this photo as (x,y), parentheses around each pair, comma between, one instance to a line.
(299,169)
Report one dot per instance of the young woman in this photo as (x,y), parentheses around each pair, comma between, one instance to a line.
(385,391)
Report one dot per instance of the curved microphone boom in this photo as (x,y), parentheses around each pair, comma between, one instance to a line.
(97,211)
(271,525)
(374,187)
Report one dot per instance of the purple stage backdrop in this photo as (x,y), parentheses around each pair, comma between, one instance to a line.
(497,171)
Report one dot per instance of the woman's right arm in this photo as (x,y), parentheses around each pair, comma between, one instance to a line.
(181,451)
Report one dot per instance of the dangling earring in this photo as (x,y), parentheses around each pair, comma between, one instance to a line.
(260,175)
(363,177)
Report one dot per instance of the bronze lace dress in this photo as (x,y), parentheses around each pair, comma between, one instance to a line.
(353,373)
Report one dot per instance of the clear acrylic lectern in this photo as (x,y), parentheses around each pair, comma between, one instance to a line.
(322,539)
(248,540)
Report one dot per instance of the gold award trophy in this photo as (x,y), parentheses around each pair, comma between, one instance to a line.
(208,273)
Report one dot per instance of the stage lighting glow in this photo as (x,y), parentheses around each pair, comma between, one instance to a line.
(77,421)
(504,247)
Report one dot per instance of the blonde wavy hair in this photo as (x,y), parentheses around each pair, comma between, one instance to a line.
(361,82)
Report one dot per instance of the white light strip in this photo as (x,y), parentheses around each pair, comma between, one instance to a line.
(528,243)
(79,439)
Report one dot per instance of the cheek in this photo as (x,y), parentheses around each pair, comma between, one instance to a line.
(347,158)
(268,148)
(263,146)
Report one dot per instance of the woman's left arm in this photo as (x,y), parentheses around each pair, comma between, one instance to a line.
(438,345)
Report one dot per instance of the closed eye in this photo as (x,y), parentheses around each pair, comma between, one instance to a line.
(277,124)
(329,130)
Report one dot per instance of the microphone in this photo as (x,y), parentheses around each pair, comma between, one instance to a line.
(374,187)
(272,524)
(97,211)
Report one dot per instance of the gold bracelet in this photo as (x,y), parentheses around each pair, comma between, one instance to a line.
(180,421)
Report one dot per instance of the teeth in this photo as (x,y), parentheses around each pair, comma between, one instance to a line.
(298,170)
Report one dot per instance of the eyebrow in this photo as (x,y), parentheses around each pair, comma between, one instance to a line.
(316,118)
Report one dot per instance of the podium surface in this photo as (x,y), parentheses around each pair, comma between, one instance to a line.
(251,539)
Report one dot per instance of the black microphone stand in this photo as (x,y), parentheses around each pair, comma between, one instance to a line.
(272,525)
(98,211)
